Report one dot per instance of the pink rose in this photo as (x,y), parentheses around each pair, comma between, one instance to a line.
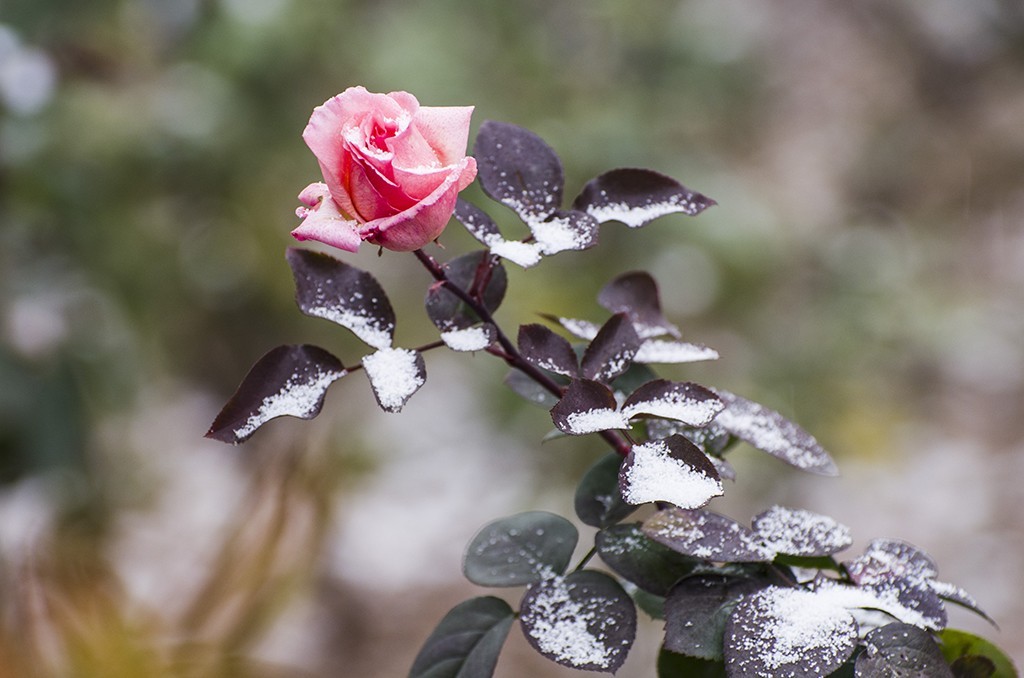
(392,170)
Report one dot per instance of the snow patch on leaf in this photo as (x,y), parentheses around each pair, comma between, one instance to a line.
(666,352)
(395,374)
(469,339)
(799,532)
(592,421)
(301,396)
(655,475)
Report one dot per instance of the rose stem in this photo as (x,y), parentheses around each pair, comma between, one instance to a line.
(509,353)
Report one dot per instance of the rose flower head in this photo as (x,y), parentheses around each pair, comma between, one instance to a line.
(392,170)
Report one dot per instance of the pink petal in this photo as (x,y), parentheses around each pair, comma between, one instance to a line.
(446,129)
(424,222)
(321,220)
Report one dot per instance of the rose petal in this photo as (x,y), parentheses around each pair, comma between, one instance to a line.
(425,221)
(322,221)
(446,129)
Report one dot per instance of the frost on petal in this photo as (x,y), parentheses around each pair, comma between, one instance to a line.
(671,470)
(770,432)
(788,632)
(395,374)
(470,339)
(798,532)
(661,351)
(289,380)
(585,621)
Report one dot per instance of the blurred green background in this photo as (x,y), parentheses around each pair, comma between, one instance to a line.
(863,273)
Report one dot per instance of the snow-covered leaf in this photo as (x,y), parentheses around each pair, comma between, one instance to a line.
(697,609)
(903,651)
(565,230)
(582,329)
(331,289)
(587,407)
(781,631)
(666,352)
(672,470)
(584,620)
(478,223)
(906,604)
(888,560)
(467,642)
(395,374)
(520,549)
(597,500)
(687,402)
(289,380)
(525,254)
(637,196)
(471,338)
(612,350)
(636,294)
(544,349)
(798,532)
(955,594)
(770,432)
(706,535)
(651,566)
(518,169)
(480,277)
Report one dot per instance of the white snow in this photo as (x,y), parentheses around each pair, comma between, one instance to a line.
(522,253)
(469,339)
(671,352)
(636,216)
(368,328)
(394,376)
(584,329)
(591,421)
(800,532)
(657,476)
(675,405)
(558,235)
(559,626)
(299,397)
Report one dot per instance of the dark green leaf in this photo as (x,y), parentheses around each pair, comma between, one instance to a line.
(697,609)
(901,651)
(467,642)
(597,501)
(641,560)
(672,665)
(584,620)
(956,644)
(520,549)
(973,666)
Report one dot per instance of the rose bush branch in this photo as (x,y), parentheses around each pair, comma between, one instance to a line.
(765,599)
